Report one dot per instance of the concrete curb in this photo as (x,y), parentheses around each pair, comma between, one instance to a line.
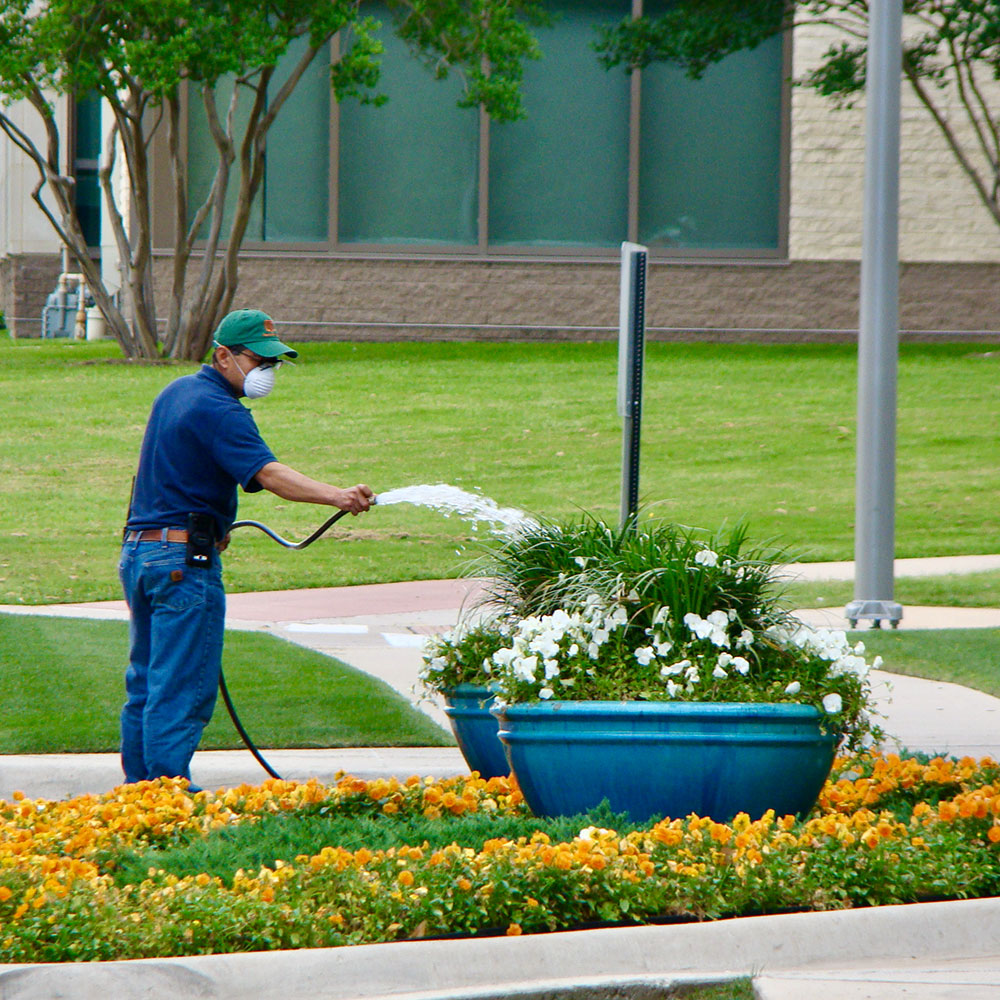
(59,776)
(620,961)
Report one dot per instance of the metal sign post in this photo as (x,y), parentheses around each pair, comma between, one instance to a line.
(878,331)
(631,339)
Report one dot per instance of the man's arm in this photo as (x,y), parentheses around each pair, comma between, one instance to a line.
(288,484)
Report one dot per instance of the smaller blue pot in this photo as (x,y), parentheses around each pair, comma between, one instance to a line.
(475,729)
(667,758)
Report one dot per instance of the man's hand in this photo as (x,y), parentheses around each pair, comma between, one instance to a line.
(356,499)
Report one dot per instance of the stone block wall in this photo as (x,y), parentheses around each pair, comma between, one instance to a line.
(330,298)
(941,216)
(25,282)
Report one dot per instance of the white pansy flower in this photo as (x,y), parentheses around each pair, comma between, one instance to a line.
(644,654)
(592,833)
(661,616)
(741,665)
(593,650)
(663,648)
(697,625)
(745,641)
(673,669)
(546,693)
(706,557)
(551,669)
(672,688)
(525,667)
(545,645)
(833,703)
(719,672)
(794,688)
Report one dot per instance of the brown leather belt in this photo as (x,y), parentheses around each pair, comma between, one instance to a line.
(179,535)
(156,535)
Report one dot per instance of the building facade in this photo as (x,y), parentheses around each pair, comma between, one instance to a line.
(422,219)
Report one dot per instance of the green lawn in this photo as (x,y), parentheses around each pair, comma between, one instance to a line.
(62,687)
(969,590)
(764,432)
(969,656)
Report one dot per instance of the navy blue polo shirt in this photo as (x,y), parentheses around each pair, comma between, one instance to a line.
(200,443)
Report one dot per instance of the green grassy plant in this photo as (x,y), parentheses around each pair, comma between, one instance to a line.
(283,837)
(62,687)
(762,432)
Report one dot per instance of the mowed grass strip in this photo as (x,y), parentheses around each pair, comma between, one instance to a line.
(959,590)
(62,688)
(761,432)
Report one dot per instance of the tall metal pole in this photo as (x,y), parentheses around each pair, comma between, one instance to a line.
(878,332)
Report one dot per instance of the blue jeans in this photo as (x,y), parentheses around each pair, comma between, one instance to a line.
(177,619)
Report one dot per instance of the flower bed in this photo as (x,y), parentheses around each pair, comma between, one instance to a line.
(884,831)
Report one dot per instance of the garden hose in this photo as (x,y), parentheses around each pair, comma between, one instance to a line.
(244,735)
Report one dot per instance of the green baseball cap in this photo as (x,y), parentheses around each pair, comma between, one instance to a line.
(252,329)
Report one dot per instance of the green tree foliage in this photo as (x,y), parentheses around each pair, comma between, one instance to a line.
(951,60)
(144,56)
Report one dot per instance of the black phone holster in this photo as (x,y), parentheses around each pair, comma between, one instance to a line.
(201,539)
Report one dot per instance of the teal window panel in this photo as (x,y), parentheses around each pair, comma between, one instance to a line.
(408,170)
(203,160)
(85,167)
(560,176)
(292,204)
(297,182)
(710,154)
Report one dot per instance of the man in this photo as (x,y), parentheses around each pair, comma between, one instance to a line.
(200,444)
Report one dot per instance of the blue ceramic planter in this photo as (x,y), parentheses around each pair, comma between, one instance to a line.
(666,758)
(475,729)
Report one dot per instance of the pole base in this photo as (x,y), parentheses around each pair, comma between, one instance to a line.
(877,611)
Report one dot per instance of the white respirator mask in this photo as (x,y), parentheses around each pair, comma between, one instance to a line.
(259,381)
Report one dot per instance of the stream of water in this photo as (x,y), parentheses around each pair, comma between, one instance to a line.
(469,506)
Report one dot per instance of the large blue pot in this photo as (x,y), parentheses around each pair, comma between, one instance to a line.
(666,758)
(475,729)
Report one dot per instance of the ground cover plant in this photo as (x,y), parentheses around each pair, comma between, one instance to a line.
(286,696)
(885,831)
(761,431)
